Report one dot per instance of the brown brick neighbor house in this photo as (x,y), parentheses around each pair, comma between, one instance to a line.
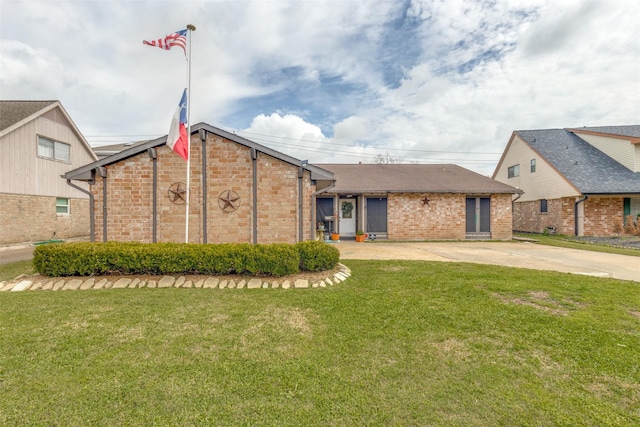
(247,193)
(415,202)
(580,181)
(38,143)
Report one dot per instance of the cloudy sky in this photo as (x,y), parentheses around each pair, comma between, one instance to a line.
(429,81)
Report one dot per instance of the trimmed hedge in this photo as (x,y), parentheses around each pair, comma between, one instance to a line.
(89,259)
(317,256)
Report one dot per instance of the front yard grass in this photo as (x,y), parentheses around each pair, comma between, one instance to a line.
(572,243)
(399,343)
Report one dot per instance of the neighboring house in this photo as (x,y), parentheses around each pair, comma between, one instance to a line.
(247,193)
(38,143)
(111,149)
(415,202)
(578,181)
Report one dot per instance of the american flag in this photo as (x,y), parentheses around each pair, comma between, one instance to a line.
(179,38)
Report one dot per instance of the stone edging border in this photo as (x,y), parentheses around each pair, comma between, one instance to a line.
(171,282)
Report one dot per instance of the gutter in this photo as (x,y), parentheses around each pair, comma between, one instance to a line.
(575,213)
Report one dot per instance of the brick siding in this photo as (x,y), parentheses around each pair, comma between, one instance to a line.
(229,167)
(443,218)
(600,213)
(25,218)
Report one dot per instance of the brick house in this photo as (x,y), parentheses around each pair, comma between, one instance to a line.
(240,191)
(38,143)
(578,181)
(415,202)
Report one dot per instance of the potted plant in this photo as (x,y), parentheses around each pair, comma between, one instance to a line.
(360,236)
(335,236)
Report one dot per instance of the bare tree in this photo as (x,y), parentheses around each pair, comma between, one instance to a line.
(385,159)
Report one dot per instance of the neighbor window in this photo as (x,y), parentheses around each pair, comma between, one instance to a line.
(53,149)
(544,208)
(62,205)
(513,171)
(533,165)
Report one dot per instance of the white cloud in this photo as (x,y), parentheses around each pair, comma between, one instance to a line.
(434,78)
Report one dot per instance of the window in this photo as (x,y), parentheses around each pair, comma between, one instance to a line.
(54,150)
(533,165)
(62,205)
(544,207)
(513,171)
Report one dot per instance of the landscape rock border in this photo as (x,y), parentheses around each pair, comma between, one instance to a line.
(208,282)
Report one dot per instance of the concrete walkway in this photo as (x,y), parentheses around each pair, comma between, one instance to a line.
(509,254)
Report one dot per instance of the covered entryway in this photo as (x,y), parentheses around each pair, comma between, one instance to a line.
(478,218)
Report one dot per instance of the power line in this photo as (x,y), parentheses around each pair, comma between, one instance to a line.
(348,145)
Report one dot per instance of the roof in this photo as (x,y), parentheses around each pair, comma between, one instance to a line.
(107,150)
(631,131)
(13,112)
(412,178)
(84,173)
(584,166)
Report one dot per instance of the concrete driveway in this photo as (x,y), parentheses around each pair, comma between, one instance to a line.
(509,254)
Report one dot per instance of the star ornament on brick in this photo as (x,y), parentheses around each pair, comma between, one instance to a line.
(229,201)
(425,201)
(178,193)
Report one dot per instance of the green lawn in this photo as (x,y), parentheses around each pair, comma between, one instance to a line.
(573,243)
(399,343)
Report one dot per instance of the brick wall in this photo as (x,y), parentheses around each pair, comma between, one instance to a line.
(443,218)
(25,218)
(501,217)
(229,168)
(600,214)
(528,218)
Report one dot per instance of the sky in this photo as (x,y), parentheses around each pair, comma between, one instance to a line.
(332,81)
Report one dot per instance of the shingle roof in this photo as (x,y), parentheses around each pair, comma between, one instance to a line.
(11,112)
(412,178)
(632,131)
(587,168)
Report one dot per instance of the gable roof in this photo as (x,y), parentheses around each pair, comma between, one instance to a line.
(412,178)
(588,169)
(630,131)
(84,173)
(14,112)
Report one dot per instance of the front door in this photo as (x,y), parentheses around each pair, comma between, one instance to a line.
(347,212)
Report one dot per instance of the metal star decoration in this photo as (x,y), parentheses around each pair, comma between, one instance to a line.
(229,201)
(425,201)
(178,193)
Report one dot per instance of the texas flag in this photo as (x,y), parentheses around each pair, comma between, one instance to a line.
(177,138)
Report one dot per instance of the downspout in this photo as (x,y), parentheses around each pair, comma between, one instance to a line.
(300,204)
(154,210)
(103,174)
(92,225)
(313,205)
(254,172)
(203,137)
(575,213)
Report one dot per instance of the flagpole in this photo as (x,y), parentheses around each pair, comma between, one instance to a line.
(186,223)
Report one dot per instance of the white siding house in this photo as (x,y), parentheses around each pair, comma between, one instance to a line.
(38,144)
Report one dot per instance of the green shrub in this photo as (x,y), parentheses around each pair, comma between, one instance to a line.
(86,259)
(317,256)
